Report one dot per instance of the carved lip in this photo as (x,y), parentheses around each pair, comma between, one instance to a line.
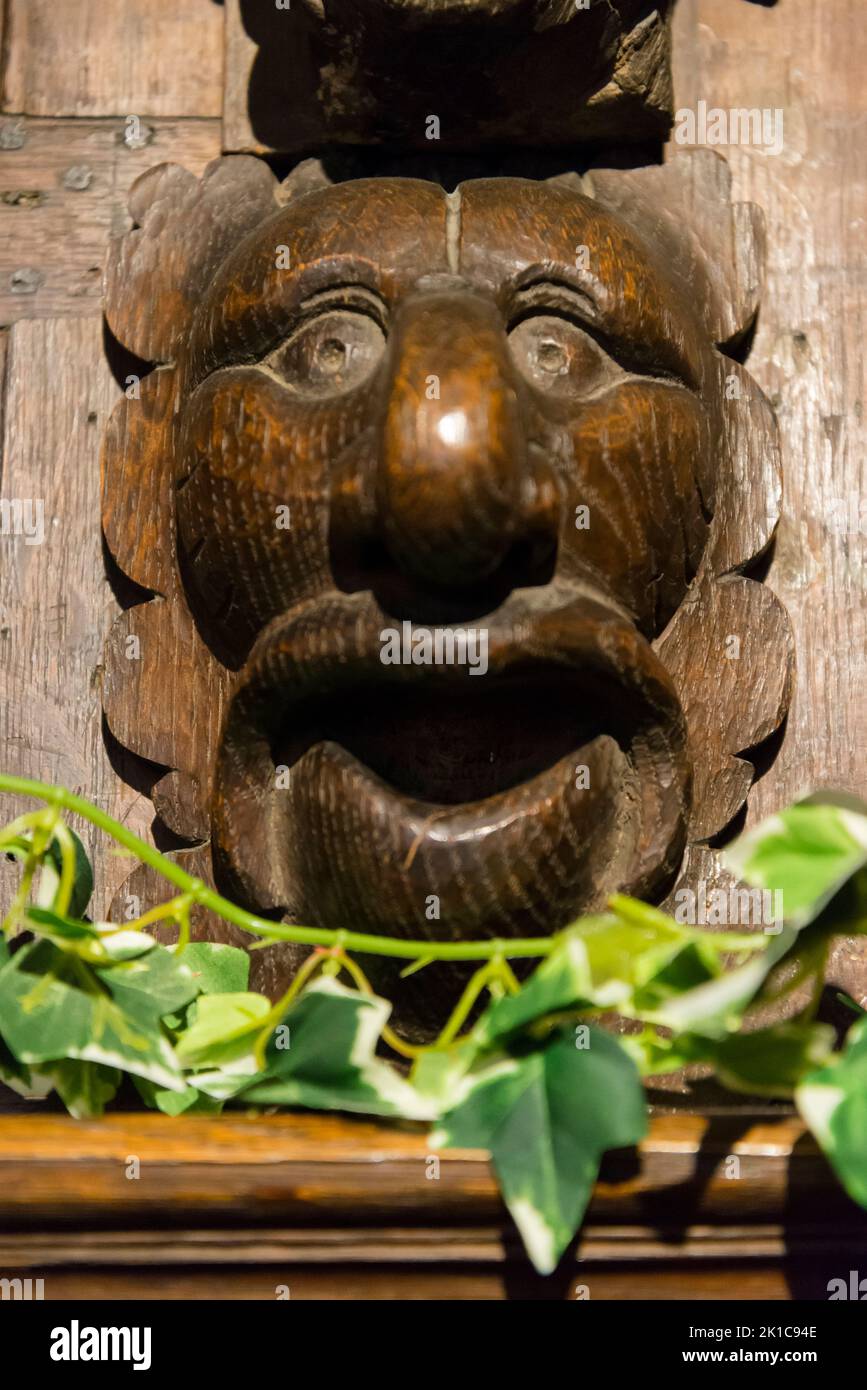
(316,696)
(342,645)
(340,649)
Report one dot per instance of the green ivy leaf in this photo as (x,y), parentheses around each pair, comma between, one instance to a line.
(437,1074)
(98,943)
(51,924)
(226,1026)
(188,1101)
(833,1102)
(217,969)
(32,1085)
(84,1087)
(150,985)
(632,960)
(717,1006)
(547,1115)
(808,853)
(54,1006)
(330,1062)
(768,1062)
(49,882)
(562,981)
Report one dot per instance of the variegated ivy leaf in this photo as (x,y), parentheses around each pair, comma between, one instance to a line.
(717,1006)
(634,959)
(84,1087)
(149,984)
(99,943)
(49,877)
(323,1057)
(808,853)
(563,980)
(176,1102)
(20,1079)
(547,1115)
(438,1073)
(225,1082)
(217,968)
(226,1027)
(768,1062)
(123,943)
(54,1007)
(833,1102)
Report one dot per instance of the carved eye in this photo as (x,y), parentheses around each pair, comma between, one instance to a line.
(333,352)
(558,356)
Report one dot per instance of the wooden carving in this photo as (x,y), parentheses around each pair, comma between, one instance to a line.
(446,74)
(445,501)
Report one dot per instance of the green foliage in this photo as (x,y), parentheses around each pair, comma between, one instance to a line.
(833,1101)
(547,1113)
(546,1079)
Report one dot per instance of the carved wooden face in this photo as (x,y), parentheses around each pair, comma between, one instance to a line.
(461,485)
(408,412)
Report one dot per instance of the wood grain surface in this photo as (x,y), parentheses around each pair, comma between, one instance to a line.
(808,352)
(55,600)
(113,57)
(242,1207)
(63,192)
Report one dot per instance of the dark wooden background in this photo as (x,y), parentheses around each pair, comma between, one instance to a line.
(72,74)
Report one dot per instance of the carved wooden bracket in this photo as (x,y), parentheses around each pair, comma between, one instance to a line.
(382,414)
(445,74)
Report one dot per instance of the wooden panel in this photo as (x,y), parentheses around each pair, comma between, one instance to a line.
(808,353)
(55,603)
(114,57)
(414,1282)
(240,54)
(335,1208)
(63,191)
(327,1172)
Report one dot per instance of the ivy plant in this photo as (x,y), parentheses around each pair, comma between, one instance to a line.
(547,1076)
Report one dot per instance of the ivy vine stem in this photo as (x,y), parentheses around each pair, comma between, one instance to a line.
(197,892)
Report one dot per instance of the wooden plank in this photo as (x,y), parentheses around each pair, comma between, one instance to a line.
(353,1246)
(114,58)
(240,55)
(320,1171)
(55,602)
(337,1282)
(808,354)
(246,1206)
(63,191)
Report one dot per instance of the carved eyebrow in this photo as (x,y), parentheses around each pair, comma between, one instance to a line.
(349,294)
(554,291)
(570,294)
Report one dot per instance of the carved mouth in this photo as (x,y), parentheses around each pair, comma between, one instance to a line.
(518,797)
(466,740)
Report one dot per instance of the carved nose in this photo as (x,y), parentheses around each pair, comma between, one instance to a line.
(453,448)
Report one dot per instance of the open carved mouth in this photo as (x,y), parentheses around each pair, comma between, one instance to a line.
(466,740)
(515,794)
